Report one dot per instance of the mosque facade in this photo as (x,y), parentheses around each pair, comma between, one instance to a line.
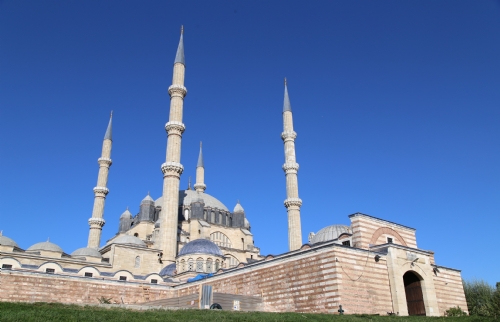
(371,266)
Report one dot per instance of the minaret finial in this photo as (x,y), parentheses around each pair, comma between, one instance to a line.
(200,158)
(48,239)
(179,57)
(286,101)
(109,130)
(189,183)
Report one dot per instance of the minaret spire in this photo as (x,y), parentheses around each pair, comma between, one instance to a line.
(291,167)
(200,174)
(101,190)
(172,168)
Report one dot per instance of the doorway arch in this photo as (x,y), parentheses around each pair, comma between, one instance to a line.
(413,291)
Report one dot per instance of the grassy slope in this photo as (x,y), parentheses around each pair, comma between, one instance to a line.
(58,312)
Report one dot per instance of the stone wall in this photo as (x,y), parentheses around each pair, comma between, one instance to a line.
(449,289)
(38,287)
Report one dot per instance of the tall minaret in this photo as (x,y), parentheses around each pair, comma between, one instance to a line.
(292,202)
(200,174)
(172,168)
(100,191)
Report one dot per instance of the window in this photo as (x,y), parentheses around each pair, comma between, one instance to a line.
(217,265)
(87,274)
(231,261)
(199,265)
(50,271)
(6,266)
(346,243)
(209,266)
(154,281)
(123,278)
(190,265)
(220,239)
(186,214)
(137,262)
(136,235)
(183,265)
(389,240)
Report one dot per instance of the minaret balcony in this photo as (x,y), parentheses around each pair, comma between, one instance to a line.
(176,90)
(289,135)
(172,168)
(290,202)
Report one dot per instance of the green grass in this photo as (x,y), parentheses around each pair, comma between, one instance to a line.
(59,312)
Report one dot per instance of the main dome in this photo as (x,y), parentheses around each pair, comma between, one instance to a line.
(200,246)
(45,246)
(330,233)
(186,197)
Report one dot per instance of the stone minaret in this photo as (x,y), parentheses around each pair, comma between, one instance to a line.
(100,191)
(200,174)
(292,202)
(172,168)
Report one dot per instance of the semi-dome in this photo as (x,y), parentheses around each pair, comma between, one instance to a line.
(168,270)
(186,197)
(126,215)
(6,241)
(45,246)
(201,246)
(330,233)
(85,251)
(129,240)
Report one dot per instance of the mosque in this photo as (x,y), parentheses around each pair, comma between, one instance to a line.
(372,266)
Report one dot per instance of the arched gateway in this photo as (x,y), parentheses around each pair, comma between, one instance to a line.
(414,296)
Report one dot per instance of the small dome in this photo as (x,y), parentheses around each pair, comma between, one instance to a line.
(147,198)
(85,251)
(168,270)
(6,241)
(238,208)
(129,240)
(45,246)
(200,246)
(186,197)
(126,215)
(330,233)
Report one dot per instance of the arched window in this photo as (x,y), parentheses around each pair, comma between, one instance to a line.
(137,262)
(217,265)
(199,264)
(183,266)
(186,214)
(136,235)
(209,266)
(231,260)
(220,239)
(190,265)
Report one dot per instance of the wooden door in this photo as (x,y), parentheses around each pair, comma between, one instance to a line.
(414,296)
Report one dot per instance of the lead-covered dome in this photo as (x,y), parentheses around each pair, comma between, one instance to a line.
(186,197)
(6,241)
(201,246)
(129,240)
(45,246)
(168,270)
(330,233)
(86,251)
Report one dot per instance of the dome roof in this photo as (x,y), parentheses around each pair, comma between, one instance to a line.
(46,246)
(186,197)
(330,233)
(6,241)
(238,208)
(147,198)
(85,251)
(168,270)
(129,240)
(200,246)
(126,214)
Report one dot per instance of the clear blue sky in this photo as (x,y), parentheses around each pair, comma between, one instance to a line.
(396,106)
